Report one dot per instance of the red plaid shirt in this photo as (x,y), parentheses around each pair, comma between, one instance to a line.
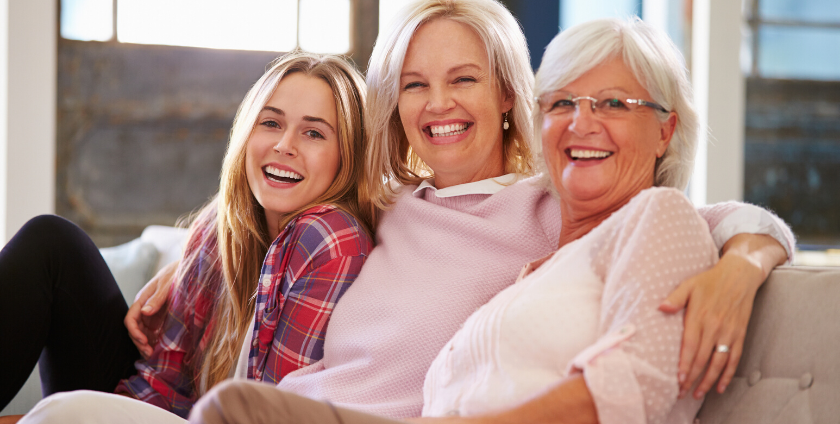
(306,270)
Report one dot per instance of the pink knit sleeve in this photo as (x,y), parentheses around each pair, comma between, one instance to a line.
(631,370)
(726,219)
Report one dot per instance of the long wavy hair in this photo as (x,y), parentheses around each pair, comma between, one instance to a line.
(236,224)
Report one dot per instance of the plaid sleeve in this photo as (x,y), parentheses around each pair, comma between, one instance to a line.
(165,380)
(323,256)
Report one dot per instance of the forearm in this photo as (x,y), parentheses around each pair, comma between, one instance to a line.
(567,403)
(756,252)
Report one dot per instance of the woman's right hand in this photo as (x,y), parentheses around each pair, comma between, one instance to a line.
(145,316)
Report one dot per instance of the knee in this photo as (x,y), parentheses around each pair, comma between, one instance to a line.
(77,407)
(48,226)
(209,410)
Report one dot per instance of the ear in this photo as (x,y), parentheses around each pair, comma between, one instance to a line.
(666,132)
(507,101)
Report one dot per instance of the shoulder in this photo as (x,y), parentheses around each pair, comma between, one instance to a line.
(329,230)
(662,201)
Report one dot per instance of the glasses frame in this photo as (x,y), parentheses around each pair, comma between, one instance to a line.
(593,101)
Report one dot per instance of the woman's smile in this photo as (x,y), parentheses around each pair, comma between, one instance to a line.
(447,132)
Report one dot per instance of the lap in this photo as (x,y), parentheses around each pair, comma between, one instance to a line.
(247,402)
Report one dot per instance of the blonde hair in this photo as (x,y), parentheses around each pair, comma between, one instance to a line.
(389,155)
(237,222)
(655,62)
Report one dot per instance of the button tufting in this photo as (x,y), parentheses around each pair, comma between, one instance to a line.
(806,381)
(752,380)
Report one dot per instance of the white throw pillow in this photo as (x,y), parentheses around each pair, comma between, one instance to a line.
(132,264)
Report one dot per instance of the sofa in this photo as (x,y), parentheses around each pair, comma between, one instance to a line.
(790,368)
(788,373)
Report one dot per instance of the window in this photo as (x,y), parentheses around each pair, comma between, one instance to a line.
(321,26)
(792,127)
(794,39)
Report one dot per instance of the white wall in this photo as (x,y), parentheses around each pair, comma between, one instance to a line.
(719,91)
(28,33)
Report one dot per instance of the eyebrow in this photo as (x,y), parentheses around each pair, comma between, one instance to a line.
(451,70)
(306,118)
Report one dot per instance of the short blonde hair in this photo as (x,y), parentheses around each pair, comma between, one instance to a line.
(389,154)
(655,62)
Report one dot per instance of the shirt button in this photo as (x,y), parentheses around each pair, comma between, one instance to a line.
(453,413)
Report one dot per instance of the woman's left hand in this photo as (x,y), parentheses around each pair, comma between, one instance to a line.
(718,304)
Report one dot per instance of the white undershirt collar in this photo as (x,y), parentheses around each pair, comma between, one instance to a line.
(488,186)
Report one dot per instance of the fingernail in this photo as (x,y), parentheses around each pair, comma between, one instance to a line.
(721,389)
(682,393)
(146,308)
(699,395)
(681,377)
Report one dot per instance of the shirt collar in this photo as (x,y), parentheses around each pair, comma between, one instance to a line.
(488,186)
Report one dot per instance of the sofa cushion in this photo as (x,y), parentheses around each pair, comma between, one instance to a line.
(790,368)
(132,265)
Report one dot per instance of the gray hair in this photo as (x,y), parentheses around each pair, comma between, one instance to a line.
(389,155)
(655,62)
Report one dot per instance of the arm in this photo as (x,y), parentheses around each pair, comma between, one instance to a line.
(553,406)
(629,374)
(146,314)
(722,298)
(308,278)
(164,379)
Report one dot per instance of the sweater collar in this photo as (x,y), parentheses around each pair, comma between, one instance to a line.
(488,186)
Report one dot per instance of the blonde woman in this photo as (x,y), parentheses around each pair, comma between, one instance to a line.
(267,259)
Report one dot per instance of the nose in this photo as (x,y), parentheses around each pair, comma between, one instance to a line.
(287,144)
(440,100)
(584,121)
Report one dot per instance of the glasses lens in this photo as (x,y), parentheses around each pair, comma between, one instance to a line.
(557,102)
(612,107)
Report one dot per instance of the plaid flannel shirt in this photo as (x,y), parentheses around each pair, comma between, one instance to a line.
(306,270)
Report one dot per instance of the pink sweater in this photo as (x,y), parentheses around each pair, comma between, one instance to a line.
(437,260)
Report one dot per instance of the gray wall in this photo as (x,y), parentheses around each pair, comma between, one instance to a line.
(142,130)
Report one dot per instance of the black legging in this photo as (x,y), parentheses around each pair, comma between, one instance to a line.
(59,302)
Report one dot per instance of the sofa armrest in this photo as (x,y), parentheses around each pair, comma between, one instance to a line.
(790,370)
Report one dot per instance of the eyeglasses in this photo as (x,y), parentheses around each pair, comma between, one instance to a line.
(563,103)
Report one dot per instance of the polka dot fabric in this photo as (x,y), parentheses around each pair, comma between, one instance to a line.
(597,298)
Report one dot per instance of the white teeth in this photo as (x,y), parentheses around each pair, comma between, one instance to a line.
(274,172)
(586,154)
(447,130)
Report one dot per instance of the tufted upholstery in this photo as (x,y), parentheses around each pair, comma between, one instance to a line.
(790,369)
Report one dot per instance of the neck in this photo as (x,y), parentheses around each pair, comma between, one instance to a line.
(578,223)
(492,169)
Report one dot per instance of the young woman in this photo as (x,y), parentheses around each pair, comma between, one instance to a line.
(287,200)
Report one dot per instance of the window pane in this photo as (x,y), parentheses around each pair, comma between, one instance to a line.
(573,12)
(388,10)
(804,10)
(269,25)
(325,26)
(87,20)
(799,52)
